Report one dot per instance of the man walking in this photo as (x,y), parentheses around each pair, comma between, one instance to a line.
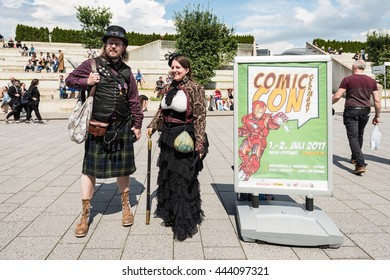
(359,88)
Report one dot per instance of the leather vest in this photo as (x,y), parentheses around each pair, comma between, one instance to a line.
(111,94)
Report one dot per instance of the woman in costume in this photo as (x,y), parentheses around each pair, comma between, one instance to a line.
(182,108)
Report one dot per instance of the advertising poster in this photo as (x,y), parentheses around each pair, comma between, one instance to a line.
(282,125)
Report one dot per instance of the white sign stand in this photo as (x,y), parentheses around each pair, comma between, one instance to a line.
(287,223)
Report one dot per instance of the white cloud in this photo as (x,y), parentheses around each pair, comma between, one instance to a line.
(304,16)
(261,21)
(143,16)
(170,2)
(58,8)
(136,15)
(277,47)
(279,24)
(285,24)
(12,4)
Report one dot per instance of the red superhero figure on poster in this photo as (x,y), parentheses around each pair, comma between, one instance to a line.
(256,126)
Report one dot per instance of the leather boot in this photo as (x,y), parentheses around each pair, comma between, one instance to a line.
(82,227)
(127,216)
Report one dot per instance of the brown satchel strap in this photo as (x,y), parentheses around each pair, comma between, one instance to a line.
(93,67)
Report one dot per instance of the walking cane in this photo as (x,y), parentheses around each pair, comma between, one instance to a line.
(148,179)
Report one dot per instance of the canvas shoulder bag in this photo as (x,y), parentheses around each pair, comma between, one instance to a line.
(78,121)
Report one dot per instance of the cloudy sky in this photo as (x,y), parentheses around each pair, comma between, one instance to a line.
(277,25)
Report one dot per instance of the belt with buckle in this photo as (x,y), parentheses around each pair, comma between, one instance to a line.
(355,108)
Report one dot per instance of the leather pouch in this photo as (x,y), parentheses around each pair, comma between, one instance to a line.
(97,128)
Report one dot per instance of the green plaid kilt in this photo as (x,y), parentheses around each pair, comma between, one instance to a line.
(115,159)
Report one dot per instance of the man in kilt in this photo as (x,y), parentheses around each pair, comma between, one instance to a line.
(116,102)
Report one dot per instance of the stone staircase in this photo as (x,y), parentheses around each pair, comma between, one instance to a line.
(12,64)
(347,60)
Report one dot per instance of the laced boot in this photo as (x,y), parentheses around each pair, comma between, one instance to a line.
(82,227)
(127,216)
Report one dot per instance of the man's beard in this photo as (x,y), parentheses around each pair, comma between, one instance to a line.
(113,54)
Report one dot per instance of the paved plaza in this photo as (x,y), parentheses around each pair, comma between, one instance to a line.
(40,201)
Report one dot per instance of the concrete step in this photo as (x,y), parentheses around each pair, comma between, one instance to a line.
(17,52)
(9,60)
(57,106)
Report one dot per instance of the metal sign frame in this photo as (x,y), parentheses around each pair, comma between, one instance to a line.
(288,184)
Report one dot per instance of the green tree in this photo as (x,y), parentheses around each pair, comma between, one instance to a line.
(94,22)
(207,42)
(27,33)
(348,46)
(378,49)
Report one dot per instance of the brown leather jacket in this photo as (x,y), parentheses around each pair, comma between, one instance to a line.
(196,110)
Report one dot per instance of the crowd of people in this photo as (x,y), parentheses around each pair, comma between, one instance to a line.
(18,99)
(49,62)
(37,62)
(359,55)
(11,43)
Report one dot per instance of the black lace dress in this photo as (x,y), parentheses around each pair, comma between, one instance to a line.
(178,193)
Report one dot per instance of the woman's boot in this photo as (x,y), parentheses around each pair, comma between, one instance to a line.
(82,227)
(127,216)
